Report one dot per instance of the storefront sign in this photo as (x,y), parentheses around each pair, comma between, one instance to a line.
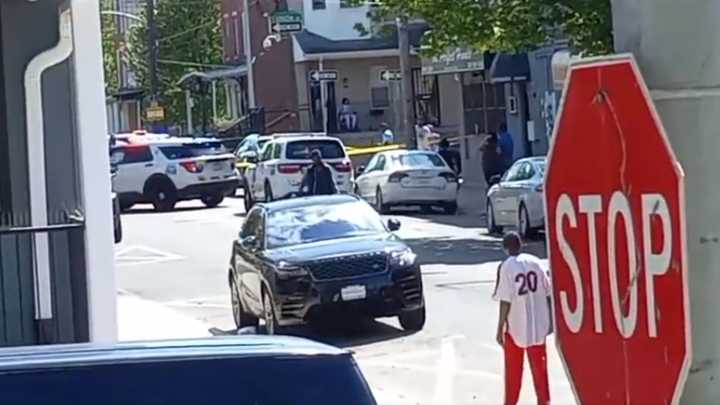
(455,61)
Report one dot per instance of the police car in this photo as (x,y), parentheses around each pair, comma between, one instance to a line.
(283,161)
(164,170)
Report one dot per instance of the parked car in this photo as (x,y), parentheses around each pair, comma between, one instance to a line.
(280,169)
(408,178)
(166,171)
(247,370)
(301,258)
(517,198)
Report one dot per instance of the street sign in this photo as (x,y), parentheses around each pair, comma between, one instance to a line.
(323,75)
(389,75)
(155,113)
(287,21)
(616,239)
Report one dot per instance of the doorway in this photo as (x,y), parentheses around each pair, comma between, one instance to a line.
(316,106)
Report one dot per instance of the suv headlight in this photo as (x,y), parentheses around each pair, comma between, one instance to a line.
(402,258)
(290,270)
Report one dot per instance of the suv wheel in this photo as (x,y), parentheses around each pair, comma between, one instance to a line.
(163,196)
(268,193)
(242,319)
(248,199)
(524,226)
(212,200)
(413,320)
(380,205)
(492,226)
(451,208)
(269,315)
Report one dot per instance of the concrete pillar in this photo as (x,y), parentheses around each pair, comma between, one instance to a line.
(675,43)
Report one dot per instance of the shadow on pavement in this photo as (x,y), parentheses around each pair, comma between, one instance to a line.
(150,210)
(358,332)
(450,251)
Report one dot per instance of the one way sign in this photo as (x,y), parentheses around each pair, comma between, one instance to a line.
(388,75)
(323,75)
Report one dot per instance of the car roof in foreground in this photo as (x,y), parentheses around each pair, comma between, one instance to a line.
(302,202)
(161,350)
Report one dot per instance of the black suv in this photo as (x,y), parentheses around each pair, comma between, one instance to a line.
(299,258)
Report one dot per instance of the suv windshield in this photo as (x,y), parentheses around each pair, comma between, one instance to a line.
(420,160)
(318,223)
(191,150)
(328,148)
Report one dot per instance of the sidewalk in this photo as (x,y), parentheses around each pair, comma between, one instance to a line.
(140,319)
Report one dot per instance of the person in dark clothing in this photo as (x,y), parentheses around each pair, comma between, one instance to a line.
(507,146)
(319,177)
(492,160)
(452,157)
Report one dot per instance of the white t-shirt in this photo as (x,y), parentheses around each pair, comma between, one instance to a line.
(524,284)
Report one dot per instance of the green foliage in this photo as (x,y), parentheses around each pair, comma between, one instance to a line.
(110,47)
(509,25)
(189,34)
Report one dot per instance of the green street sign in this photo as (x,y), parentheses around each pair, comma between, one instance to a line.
(287,21)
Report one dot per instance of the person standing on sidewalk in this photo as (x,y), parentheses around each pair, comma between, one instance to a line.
(507,145)
(523,290)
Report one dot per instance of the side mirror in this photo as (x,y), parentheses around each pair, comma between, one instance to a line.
(250,243)
(361,169)
(251,158)
(394,225)
(495,179)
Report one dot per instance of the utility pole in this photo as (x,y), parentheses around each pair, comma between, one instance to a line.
(407,105)
(152,48)
(687,97)
(247,50)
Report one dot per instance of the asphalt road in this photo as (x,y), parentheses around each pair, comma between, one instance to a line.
(180,260)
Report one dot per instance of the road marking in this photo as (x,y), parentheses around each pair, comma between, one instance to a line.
(136,255)
(446,368)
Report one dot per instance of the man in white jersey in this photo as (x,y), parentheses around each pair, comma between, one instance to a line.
(523,290)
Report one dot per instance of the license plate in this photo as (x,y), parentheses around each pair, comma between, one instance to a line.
(423,182)
(217,166)
(353,292)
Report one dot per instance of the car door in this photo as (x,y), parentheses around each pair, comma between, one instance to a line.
(515,191)
(262,171)
(247,263)
(501,199)
(134,166)
(364,180)
(375,179)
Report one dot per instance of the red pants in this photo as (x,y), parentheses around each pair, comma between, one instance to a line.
(514,357)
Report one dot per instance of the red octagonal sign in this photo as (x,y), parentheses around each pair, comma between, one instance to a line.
(616,239)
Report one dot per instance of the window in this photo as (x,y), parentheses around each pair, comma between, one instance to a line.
(267,153)
(301,149)
(252,224)
(420,160)
(379,164)
(322,222)
(131,154)
(513,173)
(318,4)
(348,4)
(380,97)
(277,151)
(192,150)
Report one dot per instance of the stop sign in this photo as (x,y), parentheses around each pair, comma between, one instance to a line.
(616,240)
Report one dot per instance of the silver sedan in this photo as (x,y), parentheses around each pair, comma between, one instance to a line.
(516,199)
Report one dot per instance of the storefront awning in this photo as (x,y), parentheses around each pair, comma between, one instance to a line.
(510,67)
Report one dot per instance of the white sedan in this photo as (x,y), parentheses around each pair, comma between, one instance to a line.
(408,178)
(516,199)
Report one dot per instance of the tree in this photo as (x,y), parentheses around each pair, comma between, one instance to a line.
(509,25)
(110,47)
(189,39)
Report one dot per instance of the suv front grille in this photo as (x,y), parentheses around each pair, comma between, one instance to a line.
(348,266)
